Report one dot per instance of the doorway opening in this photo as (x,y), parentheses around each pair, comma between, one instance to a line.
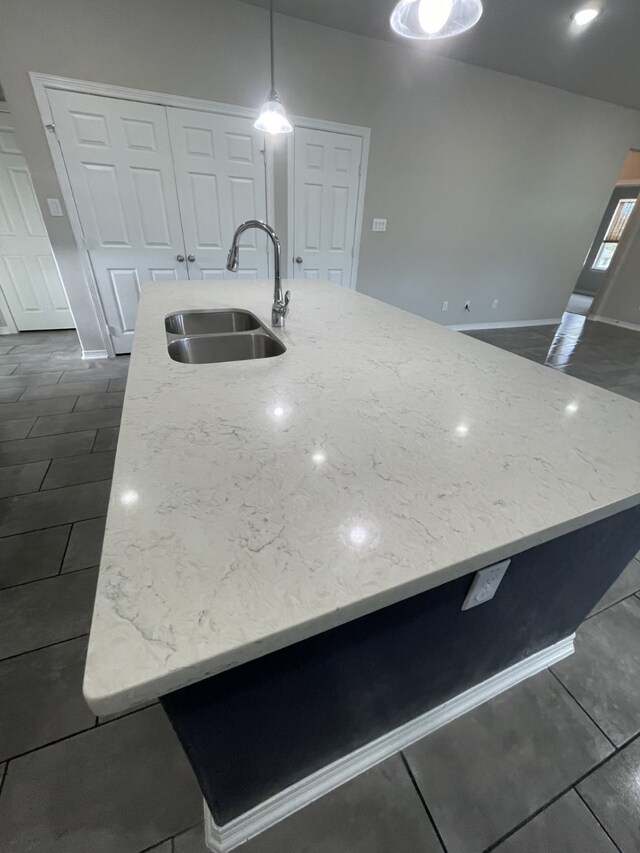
(608,236)
(32,296)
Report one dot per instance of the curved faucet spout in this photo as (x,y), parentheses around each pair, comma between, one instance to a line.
(280,307)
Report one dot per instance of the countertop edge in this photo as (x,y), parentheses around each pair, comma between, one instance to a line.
(143,693)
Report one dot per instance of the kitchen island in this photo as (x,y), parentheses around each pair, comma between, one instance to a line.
(290,539)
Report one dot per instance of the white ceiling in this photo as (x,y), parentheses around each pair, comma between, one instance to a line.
(534,39)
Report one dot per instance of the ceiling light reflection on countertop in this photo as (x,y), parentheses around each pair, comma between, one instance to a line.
(434,19)
(279,411)
(571,408)
(129,498)
(586,14)
(360,534)
(319,456)
(462,430)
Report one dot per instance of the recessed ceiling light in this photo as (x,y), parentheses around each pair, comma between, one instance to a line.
(585,15)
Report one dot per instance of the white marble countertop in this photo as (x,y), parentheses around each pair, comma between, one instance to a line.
(257,503)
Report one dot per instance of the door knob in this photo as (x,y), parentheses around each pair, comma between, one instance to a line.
(180,258)
(298,260)
(191,258)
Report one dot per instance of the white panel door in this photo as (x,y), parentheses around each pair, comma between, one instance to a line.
(326,171)
(118,158)
(28,272)
(220,174)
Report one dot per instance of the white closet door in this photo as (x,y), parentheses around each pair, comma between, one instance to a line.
(28,272)
(326,182)
(118,158)
(220,174)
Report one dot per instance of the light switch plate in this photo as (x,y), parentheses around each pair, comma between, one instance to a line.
(484,585)
(379,224)
(55,208)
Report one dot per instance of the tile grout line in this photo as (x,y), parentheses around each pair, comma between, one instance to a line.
(66,548)
(582,708)
(597,819)
(20,755)
(609,606)
(84,731)
(430,818)
(46,646)
(28,435)
(564,791)
(39,489)
(58,574)
(66,414)
(62,523)
(168,839)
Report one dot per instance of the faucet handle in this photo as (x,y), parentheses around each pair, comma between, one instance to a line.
(287,300)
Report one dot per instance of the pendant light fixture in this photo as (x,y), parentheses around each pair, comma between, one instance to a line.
(273,118)
(435,19)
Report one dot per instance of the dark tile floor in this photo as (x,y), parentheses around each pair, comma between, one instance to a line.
(551,765)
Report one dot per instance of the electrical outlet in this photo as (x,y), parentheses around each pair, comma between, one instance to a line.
(379,225)
(494,304)
(484,584)
(467,305)
(55,208)
(445,305)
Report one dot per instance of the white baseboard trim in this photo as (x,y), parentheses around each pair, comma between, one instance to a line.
(221,839)
(504,324)
(634,326)
(94,353)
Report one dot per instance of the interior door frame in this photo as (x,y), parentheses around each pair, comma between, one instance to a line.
(42,83)
(333,127)
(9,326)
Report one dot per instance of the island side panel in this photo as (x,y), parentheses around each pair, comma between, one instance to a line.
(257,729)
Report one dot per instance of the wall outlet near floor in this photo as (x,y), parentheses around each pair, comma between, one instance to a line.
(379,225)
(494,304)
(484,584)
(445,305)
(467,305)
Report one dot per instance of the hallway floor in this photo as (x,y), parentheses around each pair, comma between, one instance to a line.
(551,765)
(579,303)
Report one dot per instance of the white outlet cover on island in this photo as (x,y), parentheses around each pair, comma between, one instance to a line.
(379,225)
(484,584)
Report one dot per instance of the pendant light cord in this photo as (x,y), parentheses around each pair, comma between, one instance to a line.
(273,85)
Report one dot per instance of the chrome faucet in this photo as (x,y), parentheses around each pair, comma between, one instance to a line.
(280,307)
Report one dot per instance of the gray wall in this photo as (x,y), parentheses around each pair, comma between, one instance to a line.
(619,298)
(493,186)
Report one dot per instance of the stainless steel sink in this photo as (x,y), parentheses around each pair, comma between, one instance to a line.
(211,336)
(210,322)
(208,349)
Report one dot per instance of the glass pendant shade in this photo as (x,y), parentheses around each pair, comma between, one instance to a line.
(435,19)
(273,118)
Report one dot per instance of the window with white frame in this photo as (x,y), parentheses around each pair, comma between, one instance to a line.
(618,223)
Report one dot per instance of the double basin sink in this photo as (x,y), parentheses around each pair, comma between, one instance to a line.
(207,337)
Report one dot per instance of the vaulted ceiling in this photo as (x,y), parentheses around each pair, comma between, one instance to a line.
(534,39)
